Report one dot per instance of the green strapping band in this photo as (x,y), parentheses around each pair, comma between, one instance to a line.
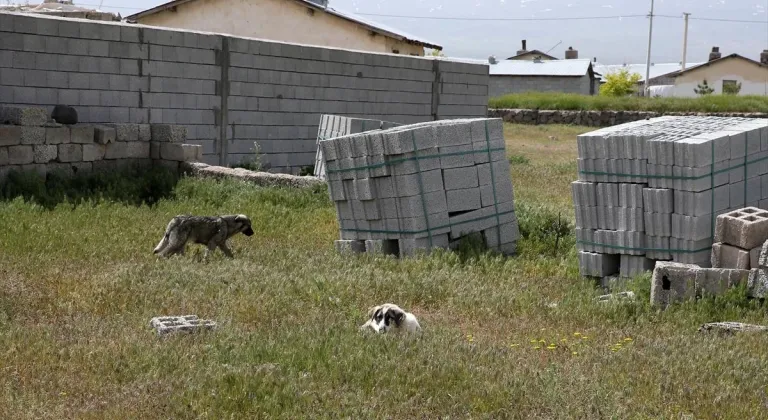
(416,158)
(629,248)
(413,232)
(421,187)
(493,183)
(712,173)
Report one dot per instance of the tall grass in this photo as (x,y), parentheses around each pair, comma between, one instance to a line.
(567,101)
(517,337)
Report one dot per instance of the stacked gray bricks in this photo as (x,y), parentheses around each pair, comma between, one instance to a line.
(650,190)
(422,186)
(31,141)
(229,92)
(332,126)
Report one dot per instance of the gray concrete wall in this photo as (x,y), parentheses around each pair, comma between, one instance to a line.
(229,92)
(504,85)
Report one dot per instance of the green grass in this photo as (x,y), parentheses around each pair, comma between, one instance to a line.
(78,285)
(564,101)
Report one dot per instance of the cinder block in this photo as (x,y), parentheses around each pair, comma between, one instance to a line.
(463,200)
(631,265)
(503,193)
(382,247)
(45,153)
(145,132)
(154,150)
(82,134)
(757,283)
(502,234)
(93,152)
(716,281)
(700,203)
(428,181)
(166,133)
(584,194)
(70,152)
(763,258)
(3,158)
(411,163)
(418,205)
(385,187)
(456,156)
(32,135)
(631,196)
(25,116)
(460,178)
(335,190)
(673,282)
(20,155)
(630,219)
(658,200)
(727,256)
(754,257)
(126,132)
(128,150)
(172,151)
(598,265)
(414,247)
(364,189)
(692,227)
(746,228)
(658,224)
(57,135)
(607,195)
(10,135)
(104,134)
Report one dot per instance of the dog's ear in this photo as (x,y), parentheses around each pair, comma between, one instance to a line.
(241,218)
(371,310)
(399,317)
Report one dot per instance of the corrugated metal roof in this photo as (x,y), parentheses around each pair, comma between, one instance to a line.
(657,69)
(543,68)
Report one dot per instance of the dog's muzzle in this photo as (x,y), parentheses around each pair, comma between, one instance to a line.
(248,232)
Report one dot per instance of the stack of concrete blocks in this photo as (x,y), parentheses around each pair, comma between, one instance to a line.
(31,141)
(663,171)
(332,126)
(422,186)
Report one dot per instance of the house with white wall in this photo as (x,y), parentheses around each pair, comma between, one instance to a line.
(721,72)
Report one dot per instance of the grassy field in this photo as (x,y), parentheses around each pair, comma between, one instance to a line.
(565,101)
(504,338)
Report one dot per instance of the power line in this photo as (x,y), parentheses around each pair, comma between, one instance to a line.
(501,19)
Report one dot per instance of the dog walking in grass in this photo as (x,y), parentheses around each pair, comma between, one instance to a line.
(211,231)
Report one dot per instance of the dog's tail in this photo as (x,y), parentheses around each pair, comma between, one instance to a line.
(164,242)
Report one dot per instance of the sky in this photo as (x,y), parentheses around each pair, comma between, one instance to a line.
(615,37)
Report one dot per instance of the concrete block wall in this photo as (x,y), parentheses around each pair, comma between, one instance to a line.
(504,85)
(229,92)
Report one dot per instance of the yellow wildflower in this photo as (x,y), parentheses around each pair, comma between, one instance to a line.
(628,339)
(576,334)
(551,347)
(575,353)
(537,348)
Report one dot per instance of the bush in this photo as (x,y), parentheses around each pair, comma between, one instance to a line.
(133,185)
(620,83)
(543,230)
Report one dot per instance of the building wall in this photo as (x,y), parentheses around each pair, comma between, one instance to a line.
(753,79)
(504,85)
(282,20)
(229,92)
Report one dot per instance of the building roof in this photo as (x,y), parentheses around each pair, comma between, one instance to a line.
(656,70)
(63,9)
(715,61)
(534,52)
(566,68)
(371,26)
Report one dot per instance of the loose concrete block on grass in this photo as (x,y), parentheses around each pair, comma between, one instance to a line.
(727,256)
(673,282)
(347,247)
(178,324)
(745,228)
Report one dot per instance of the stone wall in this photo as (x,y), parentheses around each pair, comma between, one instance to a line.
(228,92)
(505,85)
(31,141)
(595,118)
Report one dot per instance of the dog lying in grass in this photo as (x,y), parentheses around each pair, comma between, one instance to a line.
(390,317)
(211,231)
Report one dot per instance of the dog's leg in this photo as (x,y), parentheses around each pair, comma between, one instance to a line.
(225,249)
(208,249)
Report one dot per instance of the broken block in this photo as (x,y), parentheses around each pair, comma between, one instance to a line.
(187,323)
(673,282)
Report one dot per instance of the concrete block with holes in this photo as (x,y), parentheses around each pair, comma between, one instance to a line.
(180,324)
(746,228)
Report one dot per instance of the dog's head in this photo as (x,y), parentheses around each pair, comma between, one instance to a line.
(243,224)
(384,317)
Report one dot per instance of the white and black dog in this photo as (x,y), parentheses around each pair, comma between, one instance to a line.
(390,317)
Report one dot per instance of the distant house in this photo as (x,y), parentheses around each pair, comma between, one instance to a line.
(524,54)
(310,22)
(750,77)
(61,8)
(518,76)
(659,72)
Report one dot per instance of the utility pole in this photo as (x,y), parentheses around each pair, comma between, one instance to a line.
(685,39)
(648,60)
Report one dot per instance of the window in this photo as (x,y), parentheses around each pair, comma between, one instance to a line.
(396,51)
(731,87)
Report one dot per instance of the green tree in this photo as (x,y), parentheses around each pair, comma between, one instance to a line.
(436,53)
(620,83)
(703,89)
(732,88)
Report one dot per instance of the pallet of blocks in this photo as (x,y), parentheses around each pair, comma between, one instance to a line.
(651,190)
(416,187)
(332,126)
